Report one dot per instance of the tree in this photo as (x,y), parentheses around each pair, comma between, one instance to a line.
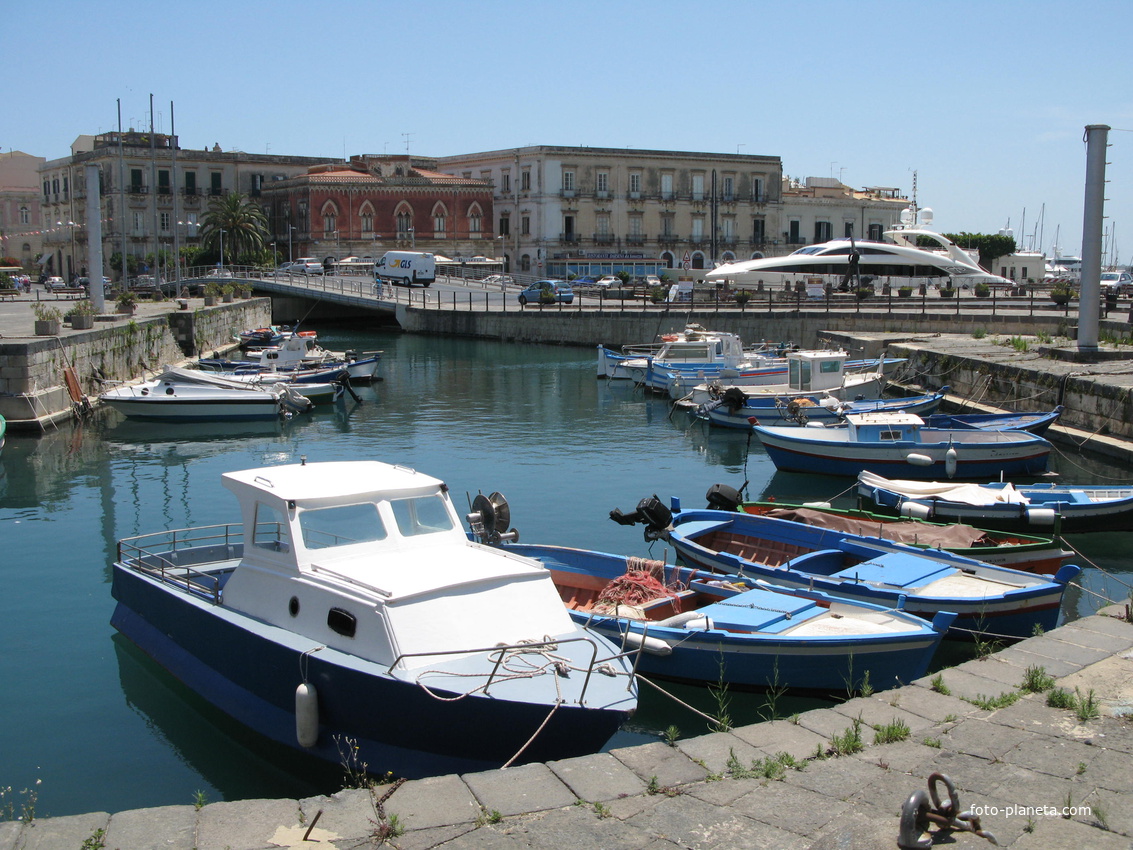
(991,246)
(244,224)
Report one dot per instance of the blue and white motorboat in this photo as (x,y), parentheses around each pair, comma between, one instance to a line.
(988,600)
(299,352)
(701,627)
(736,408)
(169,398)
(884,442)
(1071,508)
(350,610)
(681,346)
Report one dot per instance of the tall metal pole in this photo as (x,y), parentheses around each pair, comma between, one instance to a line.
(153,192)
(122,195)
(173,188)
(1089,306)
(94,239)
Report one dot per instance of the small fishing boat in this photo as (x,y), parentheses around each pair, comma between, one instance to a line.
(331,388)
(611,362)
(350,610)
(704,628)
(987,599)
(1016,551)
(736,407)
(168,398)
(882,442)
(300,353)
(1032,423)
(1070,508)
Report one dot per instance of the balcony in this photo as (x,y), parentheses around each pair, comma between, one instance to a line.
(189,190)
(669,239)
(636,239)
(137,189)
(566,193)
(216,192)
(164,190)
(604,239)
(569,238)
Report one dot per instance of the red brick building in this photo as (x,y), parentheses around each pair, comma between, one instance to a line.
(375,204)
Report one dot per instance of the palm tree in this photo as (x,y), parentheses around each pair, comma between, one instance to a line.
(244,224)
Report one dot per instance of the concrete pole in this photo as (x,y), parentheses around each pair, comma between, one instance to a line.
(94,239)
(1089,297)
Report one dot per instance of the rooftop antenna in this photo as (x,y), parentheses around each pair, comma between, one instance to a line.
(407,137)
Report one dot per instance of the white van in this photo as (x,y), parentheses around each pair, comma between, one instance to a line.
(406,267)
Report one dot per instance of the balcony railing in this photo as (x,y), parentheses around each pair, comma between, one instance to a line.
(137,189)
(636,239)
(604,239)
(571,238)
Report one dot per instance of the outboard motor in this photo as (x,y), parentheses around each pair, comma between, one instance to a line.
(651,512)
(721,497)
(734,398)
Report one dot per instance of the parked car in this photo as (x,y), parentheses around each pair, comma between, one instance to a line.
(584,280)
(307,265)
(54,283)
(651,280)
(560,289)
(607,281)
(219,273)
(498,280)
(1122,282)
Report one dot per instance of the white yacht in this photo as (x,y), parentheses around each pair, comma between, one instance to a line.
(898,262)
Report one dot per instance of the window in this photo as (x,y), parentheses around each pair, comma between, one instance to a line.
(875,232)
(270,530)
(135,180)
(635,184)
(257,185)
(164,222)
(758,231)
(64,188)
(421,515)
(757,190)
(568,181)
(666,186)
(822,231)
(525,180)
(848,230)
(666,225)
(697,228)
(602,181)
(728,188)
(342,525)
(474,224)
(329,223)
(794,236)
(163,182)
(367,222)
(603,225)
(138,229)
(728,226)
(190,182)
(698,187)
(404,224)
(505,225)
(439,225)
(635,225)
(525,225)
(505,182)
(25,215)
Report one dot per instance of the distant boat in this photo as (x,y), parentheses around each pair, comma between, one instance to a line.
(302,352)
(735,408)
(1070,508)
(169,398)
(1033,423)
(702,627)
(881,442)
(985,598)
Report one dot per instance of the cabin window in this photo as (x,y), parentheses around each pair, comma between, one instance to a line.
(890,435)
(342,622)
(342,525)
(421,515)
(270,530)
(828,367)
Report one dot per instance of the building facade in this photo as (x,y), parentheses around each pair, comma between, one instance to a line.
(819,209)
(153,195)
(21,217)
(374,204)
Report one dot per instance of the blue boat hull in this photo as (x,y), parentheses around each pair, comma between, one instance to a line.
(770,411)
(252,674)
(826,664)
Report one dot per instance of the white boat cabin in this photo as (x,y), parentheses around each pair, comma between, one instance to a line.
(371,559)
(884,427)
(816,371)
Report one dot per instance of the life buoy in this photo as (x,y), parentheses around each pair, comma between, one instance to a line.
(669,337)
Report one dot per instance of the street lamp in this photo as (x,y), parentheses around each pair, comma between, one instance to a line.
(290,255)
(503,256)
(222,248)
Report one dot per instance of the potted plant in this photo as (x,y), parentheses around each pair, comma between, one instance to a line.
(1061,293)
(82,316)
(864,290)
(657,294)
(547,296)
(48,319)
(211,293)
(126,302)
(742,297)
(982,290)
(904,291)
(948,292)
(228,292)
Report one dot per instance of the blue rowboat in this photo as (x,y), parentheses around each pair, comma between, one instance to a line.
(885,443)
(738,409)
(987,599)
(703,628)
(1032,423)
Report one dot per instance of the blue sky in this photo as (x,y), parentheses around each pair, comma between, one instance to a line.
(985,101)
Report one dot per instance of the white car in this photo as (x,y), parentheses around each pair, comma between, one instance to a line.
(54,283)
(306,265)
(1122,282)
(606,281)
(651,280)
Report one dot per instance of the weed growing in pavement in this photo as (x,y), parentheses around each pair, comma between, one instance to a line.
(1036,680)
(892,732)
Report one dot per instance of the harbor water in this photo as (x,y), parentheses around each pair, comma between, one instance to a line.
(88,723)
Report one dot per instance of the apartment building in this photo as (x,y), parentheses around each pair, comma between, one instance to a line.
(153,194)
(21,220)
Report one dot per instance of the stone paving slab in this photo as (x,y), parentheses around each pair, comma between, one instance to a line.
(782,736)
(927,703)
(668,765)
(597,778)
(135,829)
(346,813)
(245,823)
(1096,639)
(874,713)
(716,750)
(966,685)
(56,833)
(9,834)
(527,788)
(1022,657)
(434,801)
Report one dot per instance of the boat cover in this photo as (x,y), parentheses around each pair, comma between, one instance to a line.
(968,494)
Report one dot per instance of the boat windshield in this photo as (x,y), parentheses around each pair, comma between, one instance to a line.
(421,515)
(341,525)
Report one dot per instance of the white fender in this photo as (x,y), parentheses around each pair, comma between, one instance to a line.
(652,645)
(950,458)
(1040,516)
(916,510)
(918,459)
(306,715)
